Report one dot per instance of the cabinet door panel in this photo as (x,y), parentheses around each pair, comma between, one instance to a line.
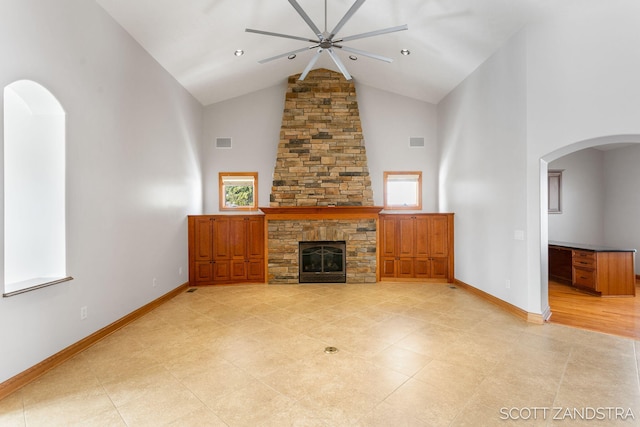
(421,268)
(255,236)
(255,270)
(203,272)
(221,271)
(238,269)
(439,236)
(237,237)
(422,236)
(388,267)
(405,267)
(221,238)
(203,248)
(439,268)
(387,236)
(406,238)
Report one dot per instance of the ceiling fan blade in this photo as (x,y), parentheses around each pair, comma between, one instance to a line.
(286,36)
(374,33)
(339,64)
(262,61)
(364,53)
(310,64)
(346,17)
(308,20)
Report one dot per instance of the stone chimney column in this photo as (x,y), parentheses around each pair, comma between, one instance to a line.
(321,158)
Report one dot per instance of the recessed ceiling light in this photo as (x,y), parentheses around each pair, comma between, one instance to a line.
(353,57)
(405,52)
(239,52)
(292,56)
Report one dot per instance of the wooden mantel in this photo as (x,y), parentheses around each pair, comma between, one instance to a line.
(320,212)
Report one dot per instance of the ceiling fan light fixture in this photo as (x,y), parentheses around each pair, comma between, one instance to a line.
(405,52)
(325,41)
(239,52)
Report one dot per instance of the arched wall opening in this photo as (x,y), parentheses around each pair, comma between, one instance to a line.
(34,187)
(544,215)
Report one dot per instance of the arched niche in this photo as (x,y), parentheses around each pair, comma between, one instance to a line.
(34,187)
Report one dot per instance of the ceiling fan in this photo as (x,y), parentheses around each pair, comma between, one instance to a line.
(326,41)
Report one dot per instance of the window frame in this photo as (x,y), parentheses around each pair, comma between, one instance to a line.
(386,178)
(221,192)
(554,191)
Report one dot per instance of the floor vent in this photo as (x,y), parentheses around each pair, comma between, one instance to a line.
(452,287)
(192,290)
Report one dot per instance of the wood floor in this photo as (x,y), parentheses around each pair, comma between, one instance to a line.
(616,316)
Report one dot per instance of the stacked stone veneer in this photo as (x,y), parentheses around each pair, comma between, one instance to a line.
(321,157)
(359,234)
(321,161)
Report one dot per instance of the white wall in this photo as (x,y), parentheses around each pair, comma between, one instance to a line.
(582,91)
(583,199)
(482,136)
(253,122)
(388,121)
(133,173)
(622,198)
(569,82)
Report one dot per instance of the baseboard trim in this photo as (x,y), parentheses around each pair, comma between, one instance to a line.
(408,280)
(17,382)
(516,311)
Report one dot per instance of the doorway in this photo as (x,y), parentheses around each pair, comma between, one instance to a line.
(581,222)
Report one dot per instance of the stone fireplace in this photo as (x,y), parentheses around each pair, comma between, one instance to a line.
(321,186)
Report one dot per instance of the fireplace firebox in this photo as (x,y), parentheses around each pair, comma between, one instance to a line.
(322,262)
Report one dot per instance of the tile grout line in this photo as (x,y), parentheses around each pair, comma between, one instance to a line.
(564,371)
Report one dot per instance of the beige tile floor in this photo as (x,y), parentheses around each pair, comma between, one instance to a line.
(408,355)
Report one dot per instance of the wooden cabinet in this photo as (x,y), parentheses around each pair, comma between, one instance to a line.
(226,249)
(598,270)
(417,246)
(560,264)
(583,265)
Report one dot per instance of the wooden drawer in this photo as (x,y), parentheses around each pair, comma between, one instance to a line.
(585,278)
(585,259)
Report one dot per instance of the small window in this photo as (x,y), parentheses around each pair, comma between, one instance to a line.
(555,191)
(238,190)
(403,190)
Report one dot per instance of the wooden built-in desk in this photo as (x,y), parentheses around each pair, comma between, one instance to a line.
(596,269)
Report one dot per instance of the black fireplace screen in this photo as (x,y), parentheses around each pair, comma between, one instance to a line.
(322,262)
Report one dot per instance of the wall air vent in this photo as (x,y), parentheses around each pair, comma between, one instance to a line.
(223,142)
(416,142)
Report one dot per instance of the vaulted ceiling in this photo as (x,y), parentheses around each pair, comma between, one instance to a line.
(195,40)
